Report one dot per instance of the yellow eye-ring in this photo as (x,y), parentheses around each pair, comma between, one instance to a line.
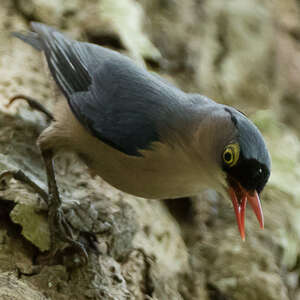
(231,154)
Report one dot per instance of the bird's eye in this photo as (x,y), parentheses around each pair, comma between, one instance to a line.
(231,154)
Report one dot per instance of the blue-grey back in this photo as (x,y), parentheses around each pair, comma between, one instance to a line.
(117,101)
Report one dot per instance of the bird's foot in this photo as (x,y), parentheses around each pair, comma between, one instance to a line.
(60,229)
(62,232)
(34,104)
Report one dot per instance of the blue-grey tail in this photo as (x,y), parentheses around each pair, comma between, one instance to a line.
(30,38)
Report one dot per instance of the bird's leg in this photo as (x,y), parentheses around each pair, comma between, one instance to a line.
(20,176)
(59,228)
(34,104)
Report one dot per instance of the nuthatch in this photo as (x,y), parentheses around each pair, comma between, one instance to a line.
(143,135)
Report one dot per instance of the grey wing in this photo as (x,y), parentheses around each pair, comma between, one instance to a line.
(120,103)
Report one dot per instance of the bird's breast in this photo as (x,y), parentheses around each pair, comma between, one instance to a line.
(161,172)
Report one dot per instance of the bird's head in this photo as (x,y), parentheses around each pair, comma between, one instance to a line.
(246,164)
(225,151)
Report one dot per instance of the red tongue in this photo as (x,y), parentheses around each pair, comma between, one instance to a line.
(240,208)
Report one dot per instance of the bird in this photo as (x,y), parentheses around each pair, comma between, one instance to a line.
(142,134)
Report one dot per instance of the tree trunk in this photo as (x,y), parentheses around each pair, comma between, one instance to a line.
(242,53)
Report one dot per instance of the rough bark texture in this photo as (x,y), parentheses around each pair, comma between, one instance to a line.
(244,53)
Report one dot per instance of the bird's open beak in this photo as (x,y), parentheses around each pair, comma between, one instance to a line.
(239,197)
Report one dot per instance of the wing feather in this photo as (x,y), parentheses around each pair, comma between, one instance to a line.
(118,102)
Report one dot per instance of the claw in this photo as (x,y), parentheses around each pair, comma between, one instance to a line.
(34,104)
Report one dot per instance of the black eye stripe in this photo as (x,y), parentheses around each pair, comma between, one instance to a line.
(250,174)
